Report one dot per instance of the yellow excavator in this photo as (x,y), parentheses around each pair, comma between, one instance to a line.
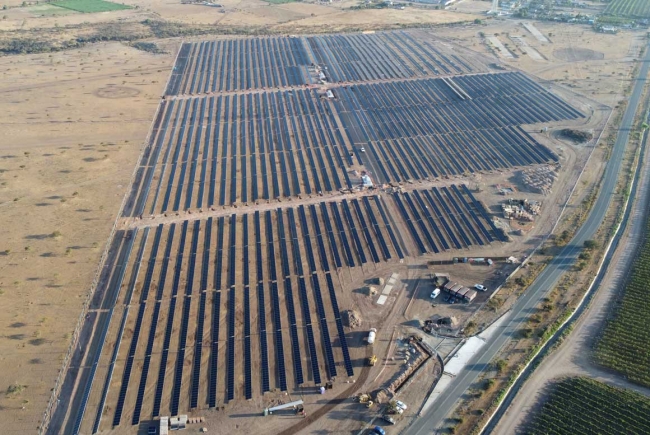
(366,399)
(372,360)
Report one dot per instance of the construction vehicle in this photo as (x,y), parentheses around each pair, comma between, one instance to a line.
(295,404)
(372,360)
(363,397)
(371,335)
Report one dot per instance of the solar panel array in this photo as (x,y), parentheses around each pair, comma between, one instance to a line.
(424,129)
(446,218)
(278,62)
(266,315)
(239,64)
(363,57)
(303,304)
(223,150)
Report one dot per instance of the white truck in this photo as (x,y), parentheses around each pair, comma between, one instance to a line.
(371,335)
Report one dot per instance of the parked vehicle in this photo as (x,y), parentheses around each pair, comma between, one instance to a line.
(435,293)
(401,405)
(480,287)
(379,430)
(388,419)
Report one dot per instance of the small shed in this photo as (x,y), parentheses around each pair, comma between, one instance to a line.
(455,289)
(178,423)
(448,286)
(470,295)
(440,279)
(461,292)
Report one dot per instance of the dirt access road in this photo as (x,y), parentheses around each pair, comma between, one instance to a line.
(574,356)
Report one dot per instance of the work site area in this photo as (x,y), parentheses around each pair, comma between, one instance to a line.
(311,226)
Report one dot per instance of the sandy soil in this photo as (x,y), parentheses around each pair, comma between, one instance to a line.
(287,17)
(73,124)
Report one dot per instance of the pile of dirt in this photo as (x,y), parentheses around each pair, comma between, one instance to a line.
(577,136)
(352,319)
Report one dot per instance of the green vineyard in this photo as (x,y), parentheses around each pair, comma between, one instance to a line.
(629,8)
(624,344)
(583,406)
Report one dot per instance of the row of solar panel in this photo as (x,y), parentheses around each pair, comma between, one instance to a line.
(261,63)
(262,146)
(432,211)
(239,64)
(390,55)
(281,236)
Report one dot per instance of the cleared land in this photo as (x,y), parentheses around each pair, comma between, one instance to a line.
(623,346)
(584,406)
(65,167)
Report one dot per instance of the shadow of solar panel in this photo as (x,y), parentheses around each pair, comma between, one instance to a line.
(366,232)
(214,351)
(342,234)
(353,230)
(264,359)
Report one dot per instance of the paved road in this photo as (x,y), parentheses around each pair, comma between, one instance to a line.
(574,356)
(432,420)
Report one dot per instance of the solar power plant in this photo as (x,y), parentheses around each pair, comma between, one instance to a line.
(239,64)
(445,218)
(217,151)
(252,179)
(280,62)
(437,127)
(208,352)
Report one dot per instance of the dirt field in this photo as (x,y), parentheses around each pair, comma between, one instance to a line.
(295,17)
(73,125)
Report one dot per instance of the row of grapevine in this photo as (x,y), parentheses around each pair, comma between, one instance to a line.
(629,8)
(624,344)
(584,406)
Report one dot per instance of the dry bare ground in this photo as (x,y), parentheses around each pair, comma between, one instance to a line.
(73,124)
